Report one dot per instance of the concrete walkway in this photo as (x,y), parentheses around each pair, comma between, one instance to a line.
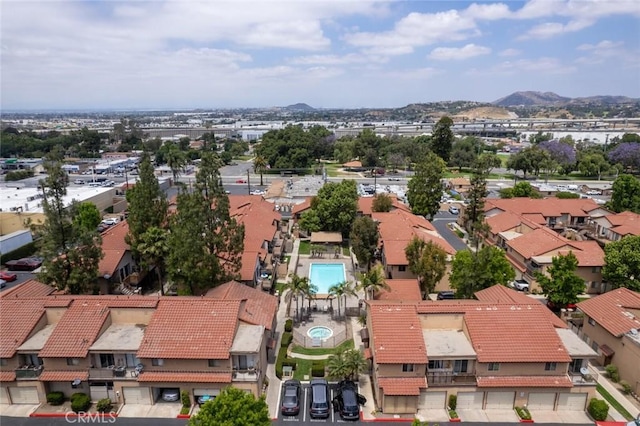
(364,381)
(602,380)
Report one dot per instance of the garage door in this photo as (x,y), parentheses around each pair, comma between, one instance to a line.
(572,401)
(500,400)
(136,395)
(4,396)
(210,392)
(24,395)
(432,400)
(542,401)
(470,400)
(100,392)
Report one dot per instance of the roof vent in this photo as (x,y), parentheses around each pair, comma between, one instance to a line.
(513,308)
(634,331)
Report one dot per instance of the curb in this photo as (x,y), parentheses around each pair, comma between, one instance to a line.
(183,416)
(72,414)
(389,420)
(456,420)
(526,421)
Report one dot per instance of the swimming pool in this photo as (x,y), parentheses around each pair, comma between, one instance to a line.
(324,275)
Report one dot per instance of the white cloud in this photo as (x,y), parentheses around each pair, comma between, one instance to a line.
(510,52)
(488,12)
(455,53)
(602,46)
(544,65)
(351,58)
(551,29)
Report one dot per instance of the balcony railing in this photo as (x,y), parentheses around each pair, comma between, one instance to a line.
(249,375)
(583,380)
(116,372)
(448,377)
(29,372)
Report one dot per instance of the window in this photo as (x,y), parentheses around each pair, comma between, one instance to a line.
(550,366)
(494,366)
(157,362)
(73,361)
(106,360)
(592,321)
(595,269)
(436,364)
(595,346)
(460,366)
(407,368)
(214,363)
(402,268)
(131,360)
(575,366)
(3,362)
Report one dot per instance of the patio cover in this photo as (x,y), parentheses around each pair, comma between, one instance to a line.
(326,237)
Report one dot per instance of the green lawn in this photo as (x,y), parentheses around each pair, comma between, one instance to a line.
(348,344)
(332,169)
(303,368)
(504,158)
(613,402)
(305,247)
(345,250)
(244,157)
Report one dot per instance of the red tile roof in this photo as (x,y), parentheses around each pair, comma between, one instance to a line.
(114,248)
(28,289)
(611,310)
(503,222)
(7,376)
(402,385)
(547,207)
(184,377)
(514,333)
(299,208)
(17,320)
(259,308)
(354,164)
(406,290)
(524,382)
(365,204)
(63,376)
(396,327)
(538,242)
(192,328)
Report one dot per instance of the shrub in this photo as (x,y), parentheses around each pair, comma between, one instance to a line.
(626,387)
(18,175)
(612,372)
(184,397)
(459,233)
(567,195)
(317,368)
(104,405)
(282,355)
(453,414)
(453,402)
(288,325)
(523,413)
(185,410)
(80,402)
(287,338)
(598,409)
(55,398)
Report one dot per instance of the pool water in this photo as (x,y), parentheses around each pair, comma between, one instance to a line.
(325,275)
(320,332)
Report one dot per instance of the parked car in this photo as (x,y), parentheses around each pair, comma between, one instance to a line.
(3,283)
(171,395)
(78,182)
(347,401)
(24,264)
(453,210)
(241,181)
(319,401)
(394,179)
(204,398)
(558,308)
(291,398)
(446,295)
(8,277)
(520,285)
(594,192)
(110,221)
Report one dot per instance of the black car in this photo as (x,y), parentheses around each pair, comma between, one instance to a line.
(446,295)
(319,401)
(347,401)
(291,398)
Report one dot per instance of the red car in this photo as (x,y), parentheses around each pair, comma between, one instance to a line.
(8,277)
(24,264)
(241,181)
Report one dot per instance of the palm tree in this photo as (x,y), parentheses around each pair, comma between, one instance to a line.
(342,290)
(175,160)
(259,165)
(310,293)
(355,363)
(336,366)
(153,249)
(297,286)
(373,281)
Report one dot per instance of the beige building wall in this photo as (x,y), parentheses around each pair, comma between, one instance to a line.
(521,369)
(60,364)
(131,316)
(397,274)
(395,370)
(442,321)
(15,221)
(399,404)
(224,365)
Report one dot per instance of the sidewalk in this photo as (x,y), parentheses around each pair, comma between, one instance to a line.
(364,381)
(609,387)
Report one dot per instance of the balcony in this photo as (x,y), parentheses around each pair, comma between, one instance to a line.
(448,377)
(120,373)
(249,375)
(28,372)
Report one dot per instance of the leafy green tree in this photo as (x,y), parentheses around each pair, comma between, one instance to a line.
(206,242)
(310,221)
(471,272)
(86,216)
(147,205)
(336,366)
(291,147)
(372,281)
(487,162)
(442,138)
(364,239)
(233,407)
(562,286)
(428,261)
(154,250)
(622,263)
(425,187)
(71,249)
(336,206)
(473,216)
(529,160)
(465,152)
(382,203)
(260,165)
(625,194)
(593,164)
(520,190)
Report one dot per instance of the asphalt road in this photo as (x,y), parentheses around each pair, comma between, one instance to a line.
(440,223)
(22,277)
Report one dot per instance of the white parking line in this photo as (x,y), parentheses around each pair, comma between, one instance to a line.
(304,404)
(279,399)
(333,413)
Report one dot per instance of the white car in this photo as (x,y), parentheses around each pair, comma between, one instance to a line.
(453,210)
(520,285)
(78,182)
(110,221)
(594,192)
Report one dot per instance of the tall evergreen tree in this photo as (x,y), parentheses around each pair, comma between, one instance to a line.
(425,187)
(71,249)
(442,138)
(474,212)
(206,242)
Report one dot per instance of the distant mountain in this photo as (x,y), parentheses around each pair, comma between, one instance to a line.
(553,99)
(299,107)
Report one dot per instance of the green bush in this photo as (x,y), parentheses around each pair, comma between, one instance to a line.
(80,402)
(317,368)
(453,414)
(282,355)
(18,175)
(104,405)
(626,387)
(185,410)
(55,398)
(523,413)
(566,195)
(184,397)
(459,233)
(612,372)
(453,402)
(24,251)
(288,325)
(598,409)
(287,338)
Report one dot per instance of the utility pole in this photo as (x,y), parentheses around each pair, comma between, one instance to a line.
(248,182)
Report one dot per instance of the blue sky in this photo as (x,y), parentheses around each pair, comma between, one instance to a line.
(329,54)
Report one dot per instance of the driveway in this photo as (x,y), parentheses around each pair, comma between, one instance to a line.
(560,416)
(440,222)
(160,410)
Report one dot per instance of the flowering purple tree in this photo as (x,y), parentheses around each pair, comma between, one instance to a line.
(561,152)
(627,154)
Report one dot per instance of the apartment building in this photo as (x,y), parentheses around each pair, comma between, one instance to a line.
(495,353)
(615,226)
(611,326)
(131,348)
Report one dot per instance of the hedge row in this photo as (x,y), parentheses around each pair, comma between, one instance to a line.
(24,251)
(317,368)
(287,338)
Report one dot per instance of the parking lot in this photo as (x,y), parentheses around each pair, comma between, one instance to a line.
(303,417)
